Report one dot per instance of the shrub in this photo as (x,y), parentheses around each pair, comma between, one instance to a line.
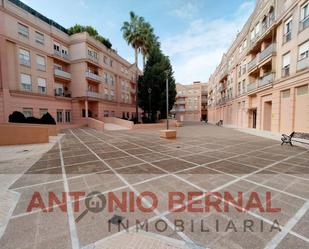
(47,119)
(17,117)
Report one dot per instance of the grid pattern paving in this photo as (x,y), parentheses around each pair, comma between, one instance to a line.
(202,158)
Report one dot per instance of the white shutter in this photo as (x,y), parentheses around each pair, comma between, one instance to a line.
(286,60)
(41,82)
(25,79)
(58,85)
(303,48)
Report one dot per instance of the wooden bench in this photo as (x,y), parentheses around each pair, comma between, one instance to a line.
(219,123)
(299,137)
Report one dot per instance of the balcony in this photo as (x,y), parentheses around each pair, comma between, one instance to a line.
(180,109)
(252,86)
(303,64)
(181,95)
(304,23)
(252,63)
(204,100)
(286,71)
(270,50)
(92,58)
(180,102)
(287,37)
(94,95)
(59,54)
(62,93)
(267,79)
(133,90)
(93,76)
(62,74)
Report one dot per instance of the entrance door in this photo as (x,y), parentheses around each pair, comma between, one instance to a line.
(267,115)
(254,113)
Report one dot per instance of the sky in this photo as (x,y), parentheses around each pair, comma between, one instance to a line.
(193,33)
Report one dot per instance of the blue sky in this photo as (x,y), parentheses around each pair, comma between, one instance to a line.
(193,33)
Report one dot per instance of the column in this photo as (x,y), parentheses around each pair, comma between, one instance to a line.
(86,108)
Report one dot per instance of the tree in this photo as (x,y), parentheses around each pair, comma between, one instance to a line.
(131,32)
(158,67)
(77,28)
(149,40)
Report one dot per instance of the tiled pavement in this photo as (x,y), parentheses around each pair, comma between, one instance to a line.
(201,159)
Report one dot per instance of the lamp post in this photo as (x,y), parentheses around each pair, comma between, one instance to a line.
(149,101)
(167,124)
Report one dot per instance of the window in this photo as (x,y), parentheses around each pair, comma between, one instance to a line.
(111,63)
(56,48)
(58,67)
(28,112)
(106,113)
(105,59)
(252,35)
(105,77)
(304,16)
(41,85)
(25,80)
(285,94)
(59,116)
(257,29)
(59,89)
(65,52)
(287,30)
(40,63)
(112,113)
(303,90)
(23,30)
(43,111)
(39,38)
(303,52)
(68,116)
(286,64)
(24,57)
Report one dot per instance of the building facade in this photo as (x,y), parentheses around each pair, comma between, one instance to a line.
(262,80)
(43,69)
(191,102)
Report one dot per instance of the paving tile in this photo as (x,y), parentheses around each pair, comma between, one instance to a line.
(290,241)
(79,159)
(123,162)
(173,165)
(85,168)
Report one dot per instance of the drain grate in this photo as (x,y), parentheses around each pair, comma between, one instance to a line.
(116,219)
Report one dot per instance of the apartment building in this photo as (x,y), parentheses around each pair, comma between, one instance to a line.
(43,69)
(191,102)
(262,80)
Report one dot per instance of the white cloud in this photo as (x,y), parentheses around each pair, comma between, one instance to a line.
(196,52)
(186,10)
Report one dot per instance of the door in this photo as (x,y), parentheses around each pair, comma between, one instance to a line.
(267,116)
(254,113)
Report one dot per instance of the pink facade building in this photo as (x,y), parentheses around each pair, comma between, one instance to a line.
(43,69)
(262,80)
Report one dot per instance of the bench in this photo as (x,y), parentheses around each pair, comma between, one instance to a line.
(219,123)
(299,137)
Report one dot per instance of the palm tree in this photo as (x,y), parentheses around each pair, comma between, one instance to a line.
(148,40)
(131,32)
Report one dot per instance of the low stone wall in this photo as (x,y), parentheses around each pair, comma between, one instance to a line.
(118,121)
(95,124)
(160,125)
(11,134)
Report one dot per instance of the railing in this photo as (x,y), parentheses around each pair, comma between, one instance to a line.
(252,63)
(267,52)
(287,37)
(266,79)
(62,73)
(24,62)
(179,95)
(60,54)
(304,23)
(94,95)
(93,76)
(252,86)
(95,59)
(66,94)
(204,100)
(180,110)
(303,64)
(180,102)
(286,71)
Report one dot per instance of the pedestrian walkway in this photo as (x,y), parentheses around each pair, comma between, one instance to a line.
(114,127)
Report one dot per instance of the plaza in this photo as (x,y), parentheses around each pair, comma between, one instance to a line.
(203,158)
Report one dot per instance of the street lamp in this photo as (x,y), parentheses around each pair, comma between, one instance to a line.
(149,101)
(167,124)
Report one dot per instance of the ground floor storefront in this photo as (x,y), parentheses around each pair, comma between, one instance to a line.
(283,107)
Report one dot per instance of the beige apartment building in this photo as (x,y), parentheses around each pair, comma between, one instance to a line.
(191,102)
(44,69)
(262,80)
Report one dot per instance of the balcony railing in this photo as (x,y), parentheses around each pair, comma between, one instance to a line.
(60,54)
(252,86)
(94,95)
(303,64)
(267,79)
(95,59)
(180,110)
(286,71)
(287,37)
(271,49)
(252,63)
(66,94)
(62,73)
(204,100)
(180,102)
(93,76)
(304,23)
